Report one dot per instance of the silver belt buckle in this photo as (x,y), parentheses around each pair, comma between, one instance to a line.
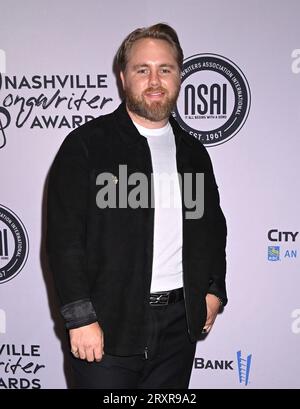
(159,299)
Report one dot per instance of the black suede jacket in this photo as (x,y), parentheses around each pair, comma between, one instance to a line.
(102,258)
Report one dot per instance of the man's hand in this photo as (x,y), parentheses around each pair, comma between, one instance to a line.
(213,306)
(87,342)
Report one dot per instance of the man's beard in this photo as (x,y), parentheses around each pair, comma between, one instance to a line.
(154,111)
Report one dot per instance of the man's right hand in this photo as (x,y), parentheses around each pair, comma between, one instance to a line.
(87,342)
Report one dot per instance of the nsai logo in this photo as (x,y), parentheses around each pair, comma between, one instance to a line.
(13,245)
(214,101)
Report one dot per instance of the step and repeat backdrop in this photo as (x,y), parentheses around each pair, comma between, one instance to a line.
(240,96)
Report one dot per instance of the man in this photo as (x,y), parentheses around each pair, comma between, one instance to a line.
(139,281)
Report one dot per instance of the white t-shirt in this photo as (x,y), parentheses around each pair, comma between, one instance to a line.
(167,246)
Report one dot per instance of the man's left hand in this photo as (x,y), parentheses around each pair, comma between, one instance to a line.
(213,306)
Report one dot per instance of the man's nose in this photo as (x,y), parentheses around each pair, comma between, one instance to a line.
(154,78)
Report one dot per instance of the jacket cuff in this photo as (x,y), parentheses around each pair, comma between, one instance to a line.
(221,295)
(78,313)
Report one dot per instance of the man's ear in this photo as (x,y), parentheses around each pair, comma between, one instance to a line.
(122,79)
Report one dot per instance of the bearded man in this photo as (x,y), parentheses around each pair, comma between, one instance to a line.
(141,279)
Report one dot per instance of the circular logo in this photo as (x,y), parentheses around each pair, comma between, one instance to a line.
(214,100)
(14,245)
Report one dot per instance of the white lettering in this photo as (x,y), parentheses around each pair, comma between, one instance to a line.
(296,322)
(2,62)
(2,322)
(296,63)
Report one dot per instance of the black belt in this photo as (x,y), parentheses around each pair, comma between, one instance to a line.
(166,297)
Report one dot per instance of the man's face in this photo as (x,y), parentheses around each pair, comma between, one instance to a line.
(151,81)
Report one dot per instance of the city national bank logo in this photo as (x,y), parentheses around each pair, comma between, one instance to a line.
(49,101)
(273,253)
(285,237)
(215,98)
(244,364)
(14,245)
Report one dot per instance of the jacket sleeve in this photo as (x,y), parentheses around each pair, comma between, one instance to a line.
(218,235)
(217,284)
(66,231)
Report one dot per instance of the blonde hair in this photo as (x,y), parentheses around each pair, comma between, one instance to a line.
(160,31)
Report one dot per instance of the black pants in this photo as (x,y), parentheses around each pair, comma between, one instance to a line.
(169,363)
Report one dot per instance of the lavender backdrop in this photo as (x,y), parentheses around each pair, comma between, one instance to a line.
(56,64)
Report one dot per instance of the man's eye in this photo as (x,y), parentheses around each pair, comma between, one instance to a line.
(142,71)
(165,70)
